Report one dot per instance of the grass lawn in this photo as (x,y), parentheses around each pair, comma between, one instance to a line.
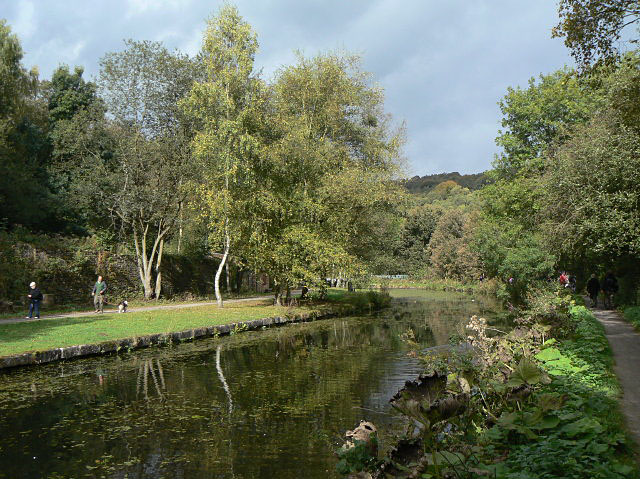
(16,338)
(55,333)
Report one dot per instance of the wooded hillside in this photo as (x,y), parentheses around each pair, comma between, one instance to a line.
(424,184)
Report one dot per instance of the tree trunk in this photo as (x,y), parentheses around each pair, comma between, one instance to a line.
(239,274)
(226,270)
(180,221)
(145,263)
(287,299)
(278,295)
(226,233)
(141,257)
(158,270)
(220,266)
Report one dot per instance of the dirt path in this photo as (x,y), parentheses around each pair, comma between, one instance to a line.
(144,308)
(625,343)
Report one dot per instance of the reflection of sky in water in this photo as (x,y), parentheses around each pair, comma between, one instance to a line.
(166,412)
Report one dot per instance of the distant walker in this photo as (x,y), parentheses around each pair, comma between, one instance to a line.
(98,295)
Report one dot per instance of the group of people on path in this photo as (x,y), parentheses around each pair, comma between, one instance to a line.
(608,286)
(35,296)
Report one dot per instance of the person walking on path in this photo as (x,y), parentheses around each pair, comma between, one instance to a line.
(609,288)
(593,288)
(35,296)
(98,295)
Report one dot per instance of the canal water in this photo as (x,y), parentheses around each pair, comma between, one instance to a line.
(264,404)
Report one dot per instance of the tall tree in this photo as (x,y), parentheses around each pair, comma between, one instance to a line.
(142,86)
(24,189)
(131,166)
(536,117)
(223,106)
(325,173)
(68,95)
(591,191)
(451,255)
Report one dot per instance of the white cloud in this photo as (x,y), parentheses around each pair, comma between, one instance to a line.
(142,7)
(24,25)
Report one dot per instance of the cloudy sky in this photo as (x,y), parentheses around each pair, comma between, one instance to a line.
(444,64)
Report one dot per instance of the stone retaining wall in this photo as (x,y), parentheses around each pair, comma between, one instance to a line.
(106,347)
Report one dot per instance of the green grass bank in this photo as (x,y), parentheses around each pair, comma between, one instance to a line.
(47,334)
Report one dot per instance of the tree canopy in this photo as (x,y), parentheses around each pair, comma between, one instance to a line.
(592,27)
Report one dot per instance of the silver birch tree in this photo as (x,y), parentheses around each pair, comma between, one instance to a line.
(222,106)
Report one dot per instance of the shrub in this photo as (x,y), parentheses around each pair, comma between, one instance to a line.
(451,256)
(632,314)
(13,270)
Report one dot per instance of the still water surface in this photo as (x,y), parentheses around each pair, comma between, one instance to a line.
(267,404)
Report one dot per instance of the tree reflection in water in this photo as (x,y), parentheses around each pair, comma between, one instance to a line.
(221,376)
(146,368)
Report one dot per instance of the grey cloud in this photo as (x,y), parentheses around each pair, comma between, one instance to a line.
(444,65)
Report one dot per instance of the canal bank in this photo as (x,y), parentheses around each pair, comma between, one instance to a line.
(159,339)
(290,394)
(538,401)
(127,332)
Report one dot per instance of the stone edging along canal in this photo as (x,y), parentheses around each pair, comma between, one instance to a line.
(127,344)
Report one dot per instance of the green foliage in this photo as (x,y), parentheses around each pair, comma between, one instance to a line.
(68,94)
(25,193)
(507,240)
(579,433)
(632,314)
(357,458)
(13,269)
(507,251)
(591,28)
(517,201)
(536,117)
(314,197)
(14,79)
(451,255)
(412,249)
(525,373)
(225,107)
(543,401)
(597,214)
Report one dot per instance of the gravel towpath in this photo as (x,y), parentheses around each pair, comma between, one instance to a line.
(143,308)
(625,343)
